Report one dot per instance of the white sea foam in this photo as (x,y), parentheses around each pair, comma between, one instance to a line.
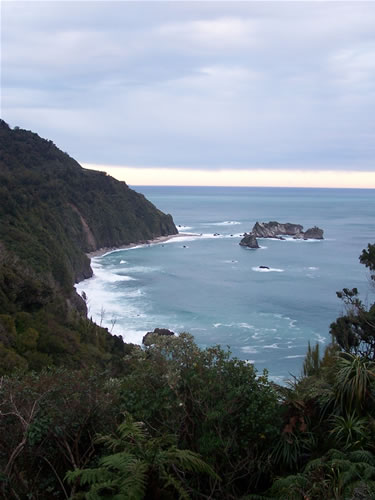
(123,262)
(249,349)
(244,325)
(110,277)
(142,269)
(271,346)
(295,356)
(320,338)
(183,228)
(224,223)
(231,261)
(270,270)
(234,325)
(133,336)
(181,239)
(312,268)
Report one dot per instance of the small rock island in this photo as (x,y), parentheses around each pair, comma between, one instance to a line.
(249,240)
(278,230)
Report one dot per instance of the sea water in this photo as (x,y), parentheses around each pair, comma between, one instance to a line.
(214,289)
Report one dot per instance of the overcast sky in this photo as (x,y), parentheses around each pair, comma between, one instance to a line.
(195,85)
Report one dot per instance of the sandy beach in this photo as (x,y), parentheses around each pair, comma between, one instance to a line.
(154,241)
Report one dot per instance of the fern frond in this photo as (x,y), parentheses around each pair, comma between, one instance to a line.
(117,461)
(362,456)
(177,486)
(88,476)
(190,461)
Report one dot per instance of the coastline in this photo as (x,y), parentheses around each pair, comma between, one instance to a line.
(159,239)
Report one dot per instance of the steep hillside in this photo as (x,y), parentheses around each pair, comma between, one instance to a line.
(52,212)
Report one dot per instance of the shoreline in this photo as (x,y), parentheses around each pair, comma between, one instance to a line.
(159,239)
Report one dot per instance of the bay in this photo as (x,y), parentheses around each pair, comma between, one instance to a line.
(211,287)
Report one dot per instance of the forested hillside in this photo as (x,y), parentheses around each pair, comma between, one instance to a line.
(52,212)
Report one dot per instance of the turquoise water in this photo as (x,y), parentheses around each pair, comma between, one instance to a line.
(211,287)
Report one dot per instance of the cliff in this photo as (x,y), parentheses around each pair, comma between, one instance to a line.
(52,212)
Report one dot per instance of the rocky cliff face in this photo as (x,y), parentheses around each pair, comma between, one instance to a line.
(275,229)
(278,230)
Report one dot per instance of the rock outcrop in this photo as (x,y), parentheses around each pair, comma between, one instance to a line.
(314,233)
(278,230)
(148,339)
(249,241)
(275,229)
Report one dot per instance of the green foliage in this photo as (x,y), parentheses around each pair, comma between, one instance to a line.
(350,431)
(311,364)
(355,331)
(335,476)
(52,211)
(140,466)
(368,259)
(217,405)
(48,422)
(354,378)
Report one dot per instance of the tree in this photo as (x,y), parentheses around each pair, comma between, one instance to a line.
(355,331)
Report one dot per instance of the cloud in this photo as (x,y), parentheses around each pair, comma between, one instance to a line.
(195,84)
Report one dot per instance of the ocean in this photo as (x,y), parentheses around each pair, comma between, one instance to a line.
(212,288)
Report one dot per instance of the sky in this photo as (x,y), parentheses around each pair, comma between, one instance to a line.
(198,93)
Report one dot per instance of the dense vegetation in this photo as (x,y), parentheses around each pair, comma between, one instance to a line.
(52,211)
(83,415)
(182,422)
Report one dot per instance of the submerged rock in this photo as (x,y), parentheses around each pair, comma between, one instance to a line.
(249,241)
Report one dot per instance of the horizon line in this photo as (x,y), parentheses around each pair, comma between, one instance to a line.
(256,177)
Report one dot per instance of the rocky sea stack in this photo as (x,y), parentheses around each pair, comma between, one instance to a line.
(274,229)
(249,240)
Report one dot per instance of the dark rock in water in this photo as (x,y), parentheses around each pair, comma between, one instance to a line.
(314,233)
(263,267)
(159,332)
(249,241)
(274,229)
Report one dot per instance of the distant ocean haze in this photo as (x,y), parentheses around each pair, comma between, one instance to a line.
(213,288)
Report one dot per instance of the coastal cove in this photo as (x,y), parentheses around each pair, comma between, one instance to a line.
(211,287)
